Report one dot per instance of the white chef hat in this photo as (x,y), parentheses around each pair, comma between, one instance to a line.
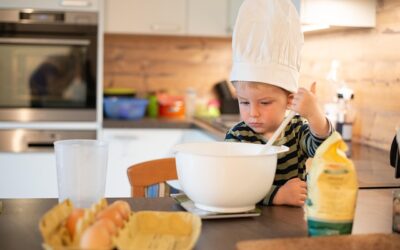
(266,43)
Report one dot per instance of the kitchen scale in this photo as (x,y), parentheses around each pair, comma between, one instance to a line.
(189,206)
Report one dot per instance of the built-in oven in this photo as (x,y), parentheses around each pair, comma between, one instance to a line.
(48,65)
(48,77)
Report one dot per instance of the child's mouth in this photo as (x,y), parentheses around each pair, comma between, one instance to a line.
(255,124)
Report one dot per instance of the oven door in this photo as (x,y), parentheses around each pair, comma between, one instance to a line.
(48,72)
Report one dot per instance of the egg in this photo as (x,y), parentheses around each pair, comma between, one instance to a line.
(112,214)
(95,237)
(107,224)
(123,208)
(72,220)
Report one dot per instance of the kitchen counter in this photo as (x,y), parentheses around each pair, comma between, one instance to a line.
(148,123)
(372,164)
(209,126)
(20,217)
(373,167)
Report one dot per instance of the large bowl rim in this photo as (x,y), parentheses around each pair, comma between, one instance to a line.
(179,148)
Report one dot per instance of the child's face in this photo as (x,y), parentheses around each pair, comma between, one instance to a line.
(262,106)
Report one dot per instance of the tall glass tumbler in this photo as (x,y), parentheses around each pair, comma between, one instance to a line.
(81,170)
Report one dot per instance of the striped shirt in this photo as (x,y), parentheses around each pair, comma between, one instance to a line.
(302,144)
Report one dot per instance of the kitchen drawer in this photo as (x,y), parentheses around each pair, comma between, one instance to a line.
(130,146)
(28,175)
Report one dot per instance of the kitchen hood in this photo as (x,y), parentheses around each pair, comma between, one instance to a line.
(327,14)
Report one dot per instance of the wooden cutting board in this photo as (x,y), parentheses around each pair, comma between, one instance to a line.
(342,242)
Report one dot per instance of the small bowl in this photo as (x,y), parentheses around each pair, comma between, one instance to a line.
(125,108)
(119,92)
(226,177)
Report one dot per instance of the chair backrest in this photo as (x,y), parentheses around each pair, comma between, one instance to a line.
(144,174)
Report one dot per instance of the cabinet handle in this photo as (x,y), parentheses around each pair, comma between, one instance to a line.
(40,144)
(163,27)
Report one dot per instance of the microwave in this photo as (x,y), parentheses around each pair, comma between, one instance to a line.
(48,65)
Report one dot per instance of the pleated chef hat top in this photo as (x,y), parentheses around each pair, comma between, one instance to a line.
(266,43)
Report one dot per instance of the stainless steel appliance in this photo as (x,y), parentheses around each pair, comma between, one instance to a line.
(48,65)
(48,75)
(32,140)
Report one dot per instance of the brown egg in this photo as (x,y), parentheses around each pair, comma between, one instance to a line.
(72,220)
(123,208)
(112,214)
(95,237)
(107,224)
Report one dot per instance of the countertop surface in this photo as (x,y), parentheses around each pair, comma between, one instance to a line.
(372,164)
(20,217)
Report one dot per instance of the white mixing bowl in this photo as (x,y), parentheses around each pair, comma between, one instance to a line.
(226,177)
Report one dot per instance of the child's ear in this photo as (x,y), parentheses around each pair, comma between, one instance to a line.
(289,99)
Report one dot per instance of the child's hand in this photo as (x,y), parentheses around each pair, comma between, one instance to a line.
(293,192)
(305,103)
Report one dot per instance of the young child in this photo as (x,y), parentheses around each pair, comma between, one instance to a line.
(266,60)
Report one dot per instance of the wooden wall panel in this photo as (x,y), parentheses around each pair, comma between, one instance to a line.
(370,64)
(149,63)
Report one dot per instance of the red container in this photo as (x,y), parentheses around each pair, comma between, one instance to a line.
(171,106)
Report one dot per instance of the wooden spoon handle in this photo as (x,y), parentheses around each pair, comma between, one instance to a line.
(281,127)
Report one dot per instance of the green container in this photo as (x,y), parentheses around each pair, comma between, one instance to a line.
(152,108)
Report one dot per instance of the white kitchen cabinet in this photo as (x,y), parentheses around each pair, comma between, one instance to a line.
(34,175)
(297,4)
(173,17)
(129,146)
(28,175)
(332,13)
(195,135)
(217,18)
(233,9)
(207,17)
(212,18)
(72,5)
(145,16)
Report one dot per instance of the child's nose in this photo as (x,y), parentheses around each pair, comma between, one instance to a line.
(254,110)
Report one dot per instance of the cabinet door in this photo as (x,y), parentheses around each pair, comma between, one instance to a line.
(208,17)
(75,5)
(28,175)
(349,13)
(297,4)
(212,18)
(145,16)
(130,146)
(233,9)
(195,135)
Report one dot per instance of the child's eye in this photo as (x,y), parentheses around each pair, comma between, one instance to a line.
(265,103)
(243,102)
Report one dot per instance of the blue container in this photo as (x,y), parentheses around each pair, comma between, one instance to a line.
(125,108)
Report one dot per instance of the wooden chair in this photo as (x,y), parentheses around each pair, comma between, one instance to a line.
(145,174)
